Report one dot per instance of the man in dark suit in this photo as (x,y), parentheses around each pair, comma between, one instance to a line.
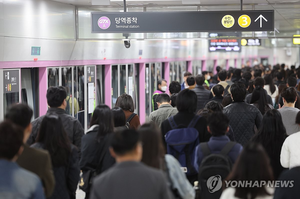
(129,178)
(34,160)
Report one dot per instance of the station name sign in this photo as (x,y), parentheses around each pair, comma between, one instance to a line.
(204,21)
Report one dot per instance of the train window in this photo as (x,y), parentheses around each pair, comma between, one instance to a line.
(67,82)
(79,90)
(100,85)
(30,89)
(53,77)
(115,87)
(122,79)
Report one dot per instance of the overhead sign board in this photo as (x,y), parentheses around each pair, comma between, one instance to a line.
(224,42)
(204,21)
(296,40)
(251,42)
(11,81)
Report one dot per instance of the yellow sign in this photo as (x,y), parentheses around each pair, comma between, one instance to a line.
(244,21)
(243,42)
(228,21)
(296,40)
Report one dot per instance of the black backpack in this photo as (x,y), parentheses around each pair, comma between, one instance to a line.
(129,120)
(213,169)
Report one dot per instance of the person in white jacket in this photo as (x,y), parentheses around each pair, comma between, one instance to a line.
(290,151)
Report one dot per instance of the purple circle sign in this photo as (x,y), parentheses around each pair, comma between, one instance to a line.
(103,23)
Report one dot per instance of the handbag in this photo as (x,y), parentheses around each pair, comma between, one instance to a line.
(87,176)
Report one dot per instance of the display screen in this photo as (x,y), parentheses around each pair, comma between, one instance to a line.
(224,42)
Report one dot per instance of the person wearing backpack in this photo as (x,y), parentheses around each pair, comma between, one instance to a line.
(184,131)
(125,102)
(95,157)
(216,156)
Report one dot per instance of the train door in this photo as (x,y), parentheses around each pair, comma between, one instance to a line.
(30,89)
(154,72)
(125,80)
(196,67)
(10,89)
(264,61)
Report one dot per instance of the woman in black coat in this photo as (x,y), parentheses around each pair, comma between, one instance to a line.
(53,138)
(95,153)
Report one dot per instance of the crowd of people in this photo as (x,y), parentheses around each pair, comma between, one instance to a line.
(240,125)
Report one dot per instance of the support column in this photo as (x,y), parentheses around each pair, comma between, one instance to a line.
(107,88)
(167,75)
(43,106)
(227,64)
(215,66)
(203,65)
(190,67)
(142,93)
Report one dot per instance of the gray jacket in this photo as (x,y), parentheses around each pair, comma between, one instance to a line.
(130,180)
(202,96)
(162,113)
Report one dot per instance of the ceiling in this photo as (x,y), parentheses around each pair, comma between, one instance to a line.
(287,14)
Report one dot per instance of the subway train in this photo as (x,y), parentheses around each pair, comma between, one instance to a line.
(50,43)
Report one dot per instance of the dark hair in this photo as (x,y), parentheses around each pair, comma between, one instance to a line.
(237,73)
(56,96)
(186,101)
(281,87)
(159,82)
(292,81)
(218,123)
(279,76)
(259,81)
(19,114)
(229,73)
(118,117)
(190,81)
(11,139)
(289,94)
(247,75)
(250,86)
(125,141)
(226,100)
(218,69)
(153,150)
(238,92)
(218,90)
(214,106)
(222,75)
(186,74)
(257,73)
(125,102)
(259,96)
(204,72)
(54,139)
(200,79)
(271,133)
(269,81)
(173,99)
(163,98)
(174,87)
(103,117)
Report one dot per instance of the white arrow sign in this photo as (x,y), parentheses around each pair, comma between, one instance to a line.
(260,18)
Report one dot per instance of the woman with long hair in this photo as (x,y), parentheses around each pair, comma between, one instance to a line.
(53,138)
(271,136)
(154,156)
(95,156)
(252,166)
(119,117)
(259,100)
(270,87)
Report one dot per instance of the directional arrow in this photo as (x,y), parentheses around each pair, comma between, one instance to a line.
(260,18)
